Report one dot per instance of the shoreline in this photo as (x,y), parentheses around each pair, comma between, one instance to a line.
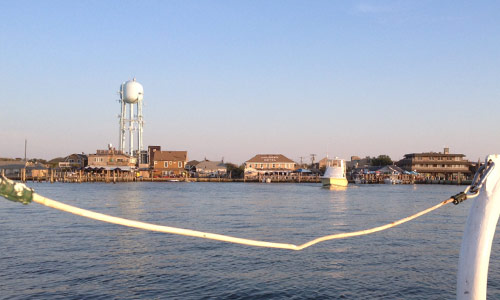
(213,180)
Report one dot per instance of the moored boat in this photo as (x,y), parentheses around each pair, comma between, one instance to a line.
(392,180)
(388,181)
(335,173)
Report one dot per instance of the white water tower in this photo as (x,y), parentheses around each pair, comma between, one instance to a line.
(131,93)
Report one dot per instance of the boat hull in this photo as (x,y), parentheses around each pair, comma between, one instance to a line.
(334,181)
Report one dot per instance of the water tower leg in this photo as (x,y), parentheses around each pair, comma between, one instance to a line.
(121,145)
(478,236)
(140,123)
(131,130)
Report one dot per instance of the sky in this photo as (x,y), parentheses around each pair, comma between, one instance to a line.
(231,79)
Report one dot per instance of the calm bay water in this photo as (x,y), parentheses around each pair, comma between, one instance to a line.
(47,254)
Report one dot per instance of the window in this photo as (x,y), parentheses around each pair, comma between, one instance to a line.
(179,164)
(274,166)
(165,164)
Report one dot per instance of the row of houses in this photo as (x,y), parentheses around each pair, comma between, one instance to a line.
(15,169)
(158,163)
(435,165)
(173,164)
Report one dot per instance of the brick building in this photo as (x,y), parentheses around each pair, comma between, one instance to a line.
(169,163)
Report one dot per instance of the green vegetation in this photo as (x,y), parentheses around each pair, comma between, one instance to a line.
(234,171)
(55,161)
(382,160)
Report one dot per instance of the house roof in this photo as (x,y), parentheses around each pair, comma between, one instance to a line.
(37,166)
(391,168)
(270,158)
(192,162)
(433,154)
(80,156)
(12,164)
(210,165)
(170,156)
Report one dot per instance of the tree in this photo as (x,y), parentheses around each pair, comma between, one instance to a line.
(381,160)
(38,160)
(234,170)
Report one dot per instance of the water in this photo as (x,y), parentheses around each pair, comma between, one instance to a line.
(47,254)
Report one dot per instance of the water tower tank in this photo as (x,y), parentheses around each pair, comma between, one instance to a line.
(132,91)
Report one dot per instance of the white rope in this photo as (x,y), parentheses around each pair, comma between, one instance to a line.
(193,233)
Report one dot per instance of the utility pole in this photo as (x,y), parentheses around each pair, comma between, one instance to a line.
(25,146)
(313,156)
(301,159)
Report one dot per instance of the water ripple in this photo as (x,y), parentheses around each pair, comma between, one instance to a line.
(45,254)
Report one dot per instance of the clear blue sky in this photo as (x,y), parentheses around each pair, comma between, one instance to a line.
(235,78)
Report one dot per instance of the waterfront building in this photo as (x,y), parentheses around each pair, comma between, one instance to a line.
(437,165)
(169,163)
(111,159)
(208,168)
(269,164)
(390,170)
(74,162)
(12,168)
(37,170)
(358,162)
(151,153)
(322,163)
(191,166)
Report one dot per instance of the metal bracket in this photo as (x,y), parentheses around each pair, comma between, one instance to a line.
(480,177)
(472,190)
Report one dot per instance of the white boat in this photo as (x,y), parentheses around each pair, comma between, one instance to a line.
(388,181)
(391,180)
(334,173)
